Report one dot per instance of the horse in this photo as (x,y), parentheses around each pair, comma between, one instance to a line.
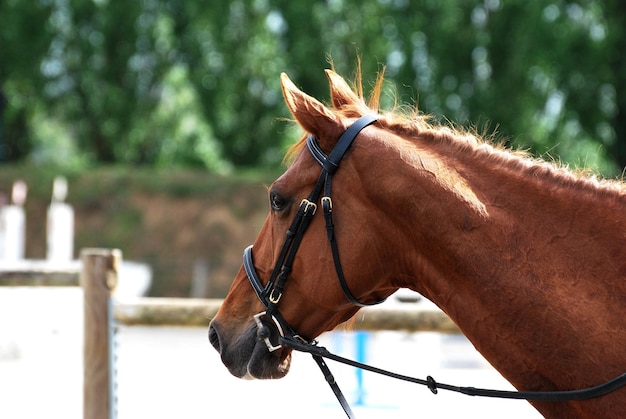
(527,257)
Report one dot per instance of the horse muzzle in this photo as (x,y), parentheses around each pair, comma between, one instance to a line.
(248,355)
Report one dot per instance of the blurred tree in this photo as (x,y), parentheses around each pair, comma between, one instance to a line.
(166,82)
(539,72)
(613,96)
(545,75)
(108,72)
(24,39)
(233,54)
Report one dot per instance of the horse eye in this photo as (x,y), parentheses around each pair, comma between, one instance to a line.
(277,202)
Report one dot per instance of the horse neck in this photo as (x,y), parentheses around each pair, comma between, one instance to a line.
(504,245)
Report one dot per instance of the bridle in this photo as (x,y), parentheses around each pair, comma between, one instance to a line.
(276,333)
(271,294)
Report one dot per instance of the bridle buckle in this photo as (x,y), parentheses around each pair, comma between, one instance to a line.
(275,299)
(327,204)
(308,205)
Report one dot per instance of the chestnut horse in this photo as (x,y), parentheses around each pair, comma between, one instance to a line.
(527,258)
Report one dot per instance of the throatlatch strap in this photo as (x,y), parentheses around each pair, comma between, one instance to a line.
(329,165)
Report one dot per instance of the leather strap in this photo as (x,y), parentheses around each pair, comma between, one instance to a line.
(343,143)
(330,379)
(329,165)
(547,396)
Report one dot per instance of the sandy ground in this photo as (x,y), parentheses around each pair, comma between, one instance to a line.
(175,373)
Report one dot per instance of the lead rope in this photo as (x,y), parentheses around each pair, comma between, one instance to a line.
(319,352)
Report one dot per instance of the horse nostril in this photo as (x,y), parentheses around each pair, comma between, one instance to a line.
(214,337)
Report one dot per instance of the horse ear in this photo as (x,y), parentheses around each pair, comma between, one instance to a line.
(312,115)
(340,93)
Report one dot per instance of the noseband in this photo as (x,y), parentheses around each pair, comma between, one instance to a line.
(275,332)
(271,294)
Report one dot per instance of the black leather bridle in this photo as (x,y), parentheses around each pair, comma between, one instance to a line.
(272,327)
(271,294)
(276,333)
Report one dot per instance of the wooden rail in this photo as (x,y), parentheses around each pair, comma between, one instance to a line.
(44,277)
(199,312)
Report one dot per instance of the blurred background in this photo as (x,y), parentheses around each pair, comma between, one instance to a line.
(165,116)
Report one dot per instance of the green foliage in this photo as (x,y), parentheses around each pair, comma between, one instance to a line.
(173,82)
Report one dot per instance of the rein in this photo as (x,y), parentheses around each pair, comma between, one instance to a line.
(546,396)
(276,333)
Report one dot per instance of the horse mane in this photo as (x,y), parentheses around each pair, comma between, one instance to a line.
(410,123)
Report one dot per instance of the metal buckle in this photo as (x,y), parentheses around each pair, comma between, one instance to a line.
(327,203)
(273,299)
(268,334)
(303,340)
(308,205)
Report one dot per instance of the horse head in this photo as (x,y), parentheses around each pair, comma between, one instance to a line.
(313,299)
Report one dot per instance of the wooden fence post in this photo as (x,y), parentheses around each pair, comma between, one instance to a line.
(98,279)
